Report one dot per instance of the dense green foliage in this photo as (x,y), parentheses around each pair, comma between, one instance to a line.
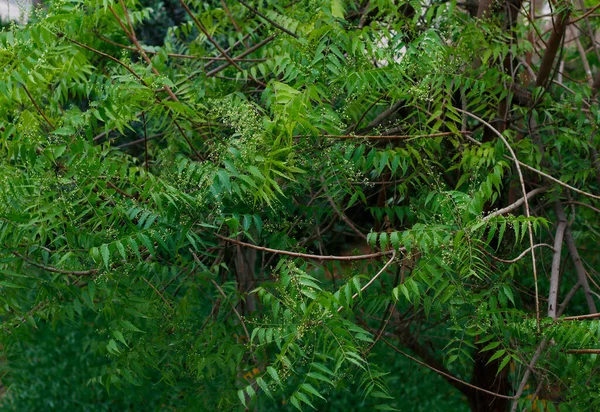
(168,207)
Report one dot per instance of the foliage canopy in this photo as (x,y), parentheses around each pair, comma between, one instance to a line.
(179,212)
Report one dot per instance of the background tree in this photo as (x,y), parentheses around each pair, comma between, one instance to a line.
(294,205)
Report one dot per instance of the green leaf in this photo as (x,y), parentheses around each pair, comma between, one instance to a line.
(310,389)
(105,254)
(338,8)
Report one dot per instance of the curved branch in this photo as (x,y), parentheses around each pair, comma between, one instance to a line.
(545,175)
(259,14)
(518,257)
(527,212)
(374,278)
(309,256)
(515,205)
(341,214)
(56,270)
(456,382)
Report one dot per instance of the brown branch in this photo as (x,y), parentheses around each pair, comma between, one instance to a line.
(108,56)
(580,317)
(527,211)
(233,46)
(563,305)
(545,175)
(37,107)
(258,13)
(214,42)
(586,15)
(235,25)
(121,192)
(177,55)
(373,279)
(131,34)
(341,214)
(367,111)
(243,54)
(225,297)
(528,371)
(56,270)
(406,136)
(157,292)
(573,202)
(558,31)
(134,142)
(583,351)
(453,380)
(308,256)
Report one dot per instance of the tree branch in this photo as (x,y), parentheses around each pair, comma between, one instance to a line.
(555,271)
(308,256)
(515,205)
(527,211)
(259,14)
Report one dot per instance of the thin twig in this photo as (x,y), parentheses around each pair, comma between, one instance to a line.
(308,256)
(157,292)
(235,25)
(515,205)
(225,297)
(563,305)
(586,15)
(56,270)
(373,279)
(243,54)
(518,257)
(258,13)
(37,107)
(404,136)
(573,202)
(525,378)
(579,269)
(445,374)
(580,317)
(214,42)
(341,214)
(527,211)
(545,175)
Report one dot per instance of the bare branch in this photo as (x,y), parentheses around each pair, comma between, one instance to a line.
(515,205)
(525,378)
(555,271)
(581,275)
(446,374)
(527,211)
(545,175)
(56,270)
(528,250)
(580,317)
(308,256)
(370,282)
(259,14)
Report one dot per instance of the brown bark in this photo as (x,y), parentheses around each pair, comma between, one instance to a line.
(485,375)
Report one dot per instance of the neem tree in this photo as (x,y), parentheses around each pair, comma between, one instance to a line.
(168,210)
